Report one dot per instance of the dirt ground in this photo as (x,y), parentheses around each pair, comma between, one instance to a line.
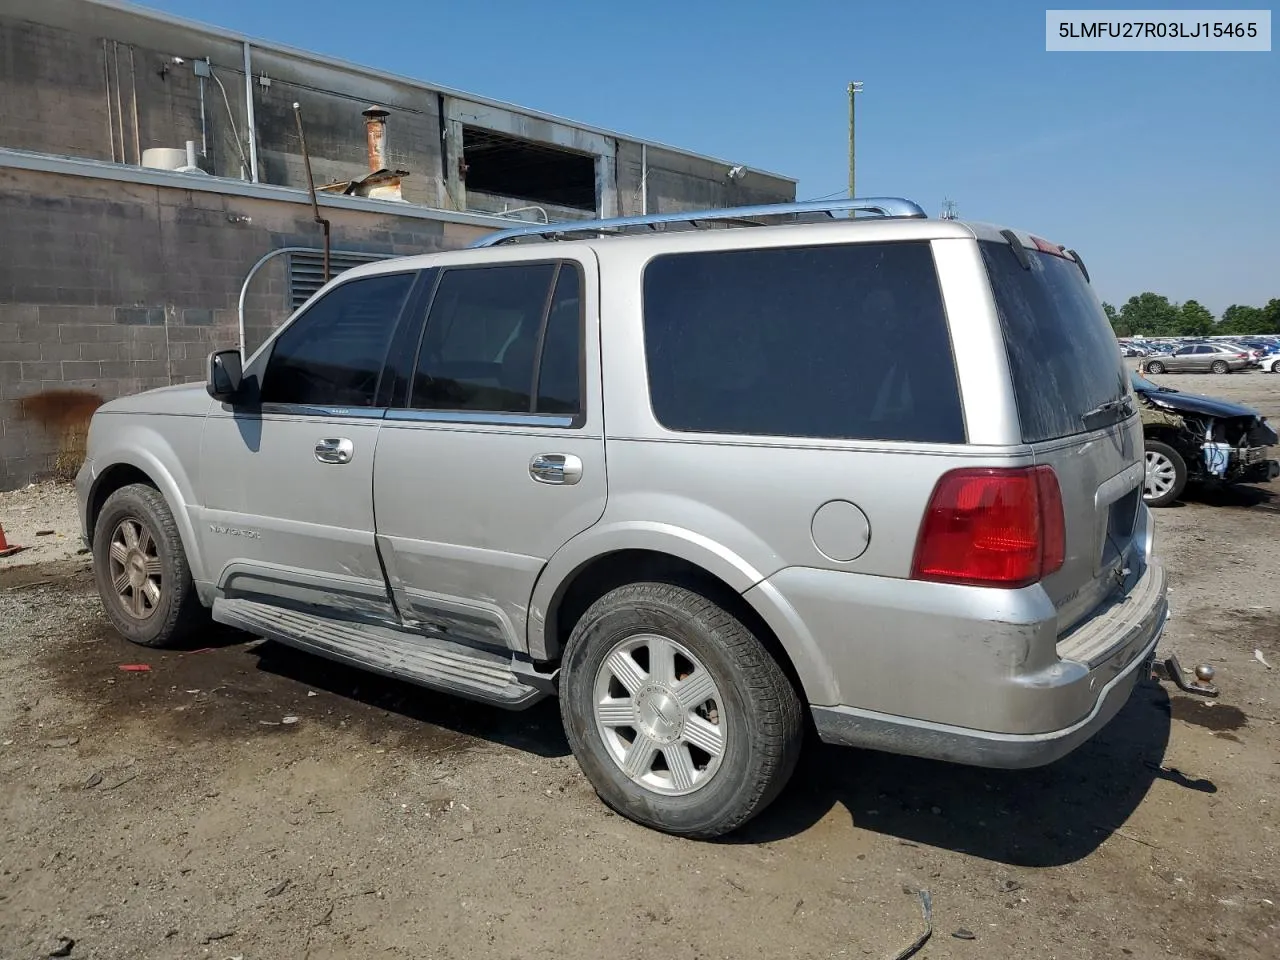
(241,800)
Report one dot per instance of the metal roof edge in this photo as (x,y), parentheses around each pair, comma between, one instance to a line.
(103,170)
(124,6)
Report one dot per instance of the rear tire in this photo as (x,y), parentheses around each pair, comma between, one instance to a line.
(1220,366)
(1275,366)
(651,753)
(1166,475)
(141,569)
(1155,366)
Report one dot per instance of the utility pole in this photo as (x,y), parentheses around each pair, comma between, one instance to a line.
(855,88)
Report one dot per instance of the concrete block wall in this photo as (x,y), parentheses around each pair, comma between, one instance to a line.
(59,84)
(119,287)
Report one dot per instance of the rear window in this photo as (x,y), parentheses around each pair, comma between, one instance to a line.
(845,341)
(1062,352)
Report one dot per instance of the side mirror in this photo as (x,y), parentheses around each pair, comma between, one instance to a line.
(225,375)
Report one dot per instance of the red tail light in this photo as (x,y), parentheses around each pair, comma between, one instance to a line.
(992,527)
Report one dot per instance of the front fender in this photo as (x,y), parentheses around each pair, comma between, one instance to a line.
(168,456)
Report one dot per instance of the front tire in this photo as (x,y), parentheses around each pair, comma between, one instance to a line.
(1156,367)
(141,569)
(1220,366)
(1166,475)
(1275,366)
(679,716)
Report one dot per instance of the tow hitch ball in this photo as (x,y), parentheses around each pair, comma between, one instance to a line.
(1169,669)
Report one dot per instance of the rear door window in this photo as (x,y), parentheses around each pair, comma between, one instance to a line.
(1062,351)
(847,341)
(503,339)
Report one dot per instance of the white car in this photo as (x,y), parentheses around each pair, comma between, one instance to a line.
(1270,362)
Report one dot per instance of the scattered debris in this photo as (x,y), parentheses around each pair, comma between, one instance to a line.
(135,667)
(1257,655)
(926,909)
(1128,836)
(95,778)
(121,782)
(278,889)
(63,949)
(45,533)
(58,742)
(287,721)
(1008,886)
(218,935)
(312,693)
(963,934)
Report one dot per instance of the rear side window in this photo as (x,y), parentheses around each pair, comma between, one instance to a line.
(846,341)
(1062,351)
(503,339)
(333,354)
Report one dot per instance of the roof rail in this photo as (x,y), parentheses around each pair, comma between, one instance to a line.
(737,216)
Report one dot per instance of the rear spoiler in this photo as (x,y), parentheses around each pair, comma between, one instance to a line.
(1044,246)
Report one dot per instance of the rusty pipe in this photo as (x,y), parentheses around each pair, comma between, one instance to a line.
(311,186)
(375,129)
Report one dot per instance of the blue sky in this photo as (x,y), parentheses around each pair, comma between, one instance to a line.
(1162,169)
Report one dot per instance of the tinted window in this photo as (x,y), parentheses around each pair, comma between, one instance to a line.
(1062,351)
(802,342)
(560,374)
(1183,351)
(333,354)
(482,339)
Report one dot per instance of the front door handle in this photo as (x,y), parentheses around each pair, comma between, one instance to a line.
(556,468)
(335,450)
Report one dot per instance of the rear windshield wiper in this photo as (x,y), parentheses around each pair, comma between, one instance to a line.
(1121,404)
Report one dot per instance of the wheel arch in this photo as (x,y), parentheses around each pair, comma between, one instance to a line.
(568,587)
(141,466)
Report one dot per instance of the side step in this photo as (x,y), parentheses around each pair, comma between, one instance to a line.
(432,662)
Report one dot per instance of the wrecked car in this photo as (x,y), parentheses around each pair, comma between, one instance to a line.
(1202,440)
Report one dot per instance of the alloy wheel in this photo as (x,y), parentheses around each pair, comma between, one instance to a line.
(135,568)
(1160,476)
(660,714)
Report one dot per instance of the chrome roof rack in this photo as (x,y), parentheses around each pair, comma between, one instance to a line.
(735,216)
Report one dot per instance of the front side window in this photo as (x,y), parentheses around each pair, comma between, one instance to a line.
(503,339)
(333,354)
(846,341)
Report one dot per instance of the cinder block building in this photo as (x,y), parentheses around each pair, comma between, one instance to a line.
(149,165)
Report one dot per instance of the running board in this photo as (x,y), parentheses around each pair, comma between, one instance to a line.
(491,677)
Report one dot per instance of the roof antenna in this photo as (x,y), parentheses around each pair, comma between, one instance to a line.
(311,186)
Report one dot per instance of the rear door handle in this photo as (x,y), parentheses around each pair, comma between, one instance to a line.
(335,450)
(556,468)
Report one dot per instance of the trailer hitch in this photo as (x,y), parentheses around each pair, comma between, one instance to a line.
(1170,669)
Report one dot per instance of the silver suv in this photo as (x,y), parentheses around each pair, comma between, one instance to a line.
(689,481)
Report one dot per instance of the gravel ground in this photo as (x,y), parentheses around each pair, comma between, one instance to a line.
(42,520)
(179,812)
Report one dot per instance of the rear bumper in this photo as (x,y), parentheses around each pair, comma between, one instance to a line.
(965,674)
(851,727)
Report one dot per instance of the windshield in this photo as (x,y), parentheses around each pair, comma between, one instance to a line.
(1062,351)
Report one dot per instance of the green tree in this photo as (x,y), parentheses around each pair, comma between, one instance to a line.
(1118,326)
(1271,316)
(1150,315)
(1241,319)
(1194,320)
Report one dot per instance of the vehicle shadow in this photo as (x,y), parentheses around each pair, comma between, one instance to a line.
(1240,496)
(1047,816)
(537,730)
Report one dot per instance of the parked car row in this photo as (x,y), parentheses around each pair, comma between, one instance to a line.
(1205,355)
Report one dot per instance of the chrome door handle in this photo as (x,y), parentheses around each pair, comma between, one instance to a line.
(335,450)
(556,468)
